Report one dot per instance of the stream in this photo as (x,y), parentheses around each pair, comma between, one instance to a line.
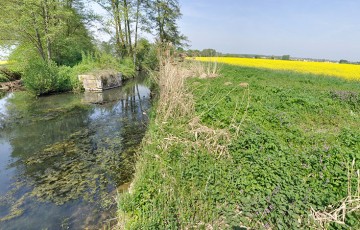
(63,157)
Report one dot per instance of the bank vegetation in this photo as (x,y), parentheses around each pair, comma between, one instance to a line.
(247,148)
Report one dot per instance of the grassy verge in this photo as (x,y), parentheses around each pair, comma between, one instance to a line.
(251,148)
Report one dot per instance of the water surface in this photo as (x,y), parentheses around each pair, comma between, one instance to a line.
(62,156)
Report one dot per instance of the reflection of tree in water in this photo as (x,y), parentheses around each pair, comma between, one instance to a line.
(73,157)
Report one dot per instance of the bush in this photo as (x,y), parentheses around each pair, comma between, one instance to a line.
(41,78)
(66,80)
(150,59)
(102,61)
(3,78)
(127,68)
(20,58)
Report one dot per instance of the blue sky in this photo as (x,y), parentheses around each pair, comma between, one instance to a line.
(302,28)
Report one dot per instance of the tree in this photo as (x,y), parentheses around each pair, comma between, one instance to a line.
(44,26)
(130,17)
(208,53)
(285,57)
(163,16)
(124,13)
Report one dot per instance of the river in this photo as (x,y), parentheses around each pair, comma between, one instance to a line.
(62,157)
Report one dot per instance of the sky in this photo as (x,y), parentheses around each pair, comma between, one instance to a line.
(328,29)
(324,29)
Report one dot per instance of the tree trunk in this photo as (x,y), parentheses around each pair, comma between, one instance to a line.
(47,26)
(119,37)
(136,30)
(127,25)
(159,22)
(38,39)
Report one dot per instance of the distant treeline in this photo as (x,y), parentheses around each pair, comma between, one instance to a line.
(214,53)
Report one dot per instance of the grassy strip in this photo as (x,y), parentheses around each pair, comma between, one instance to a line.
(253,148)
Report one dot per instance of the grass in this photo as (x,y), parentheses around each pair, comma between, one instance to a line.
(255,148)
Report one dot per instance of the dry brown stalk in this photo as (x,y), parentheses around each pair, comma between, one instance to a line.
(174,101)
(204,69)
(214,140)
(337,213)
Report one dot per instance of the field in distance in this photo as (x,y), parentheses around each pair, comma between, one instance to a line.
(346,71)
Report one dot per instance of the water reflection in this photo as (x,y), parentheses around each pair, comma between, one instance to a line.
(61,156)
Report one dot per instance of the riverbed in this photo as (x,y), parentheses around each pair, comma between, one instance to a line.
(62,157)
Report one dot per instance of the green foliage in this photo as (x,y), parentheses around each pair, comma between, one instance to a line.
(21,56)
(193,53)
(285,57)
(50,30)
(342,61)
(208,53)
(295,144)
(68,50)
(147,55)
(43,78)
(3,78)
(142,49)
(99,61)
(66,74)
(162,16)
(126,67)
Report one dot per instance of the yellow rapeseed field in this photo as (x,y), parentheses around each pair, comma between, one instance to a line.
(3,62)
(347,71)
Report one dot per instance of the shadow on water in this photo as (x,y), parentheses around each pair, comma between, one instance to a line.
(62,156)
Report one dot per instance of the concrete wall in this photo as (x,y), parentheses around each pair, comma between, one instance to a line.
(101,80)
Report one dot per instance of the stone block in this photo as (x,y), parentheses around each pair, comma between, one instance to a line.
(101,80)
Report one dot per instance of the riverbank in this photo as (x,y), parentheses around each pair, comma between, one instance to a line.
(251,148)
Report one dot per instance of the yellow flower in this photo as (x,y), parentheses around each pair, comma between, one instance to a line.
(347,71)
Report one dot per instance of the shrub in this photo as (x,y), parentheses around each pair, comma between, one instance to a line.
(92,62)
(3,78)
(150,59)
(127,67)
(20,57)
(66,80)
(42,77)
